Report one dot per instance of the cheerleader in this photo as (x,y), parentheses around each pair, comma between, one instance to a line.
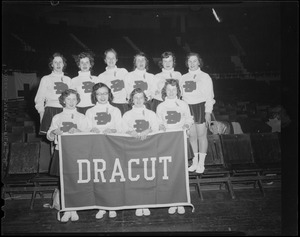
(139,122)
(103,118)
(140,78)
(167,64)
(113,77)
(71,121)
(50,88)
(174,113)
(84,82)
(197,91)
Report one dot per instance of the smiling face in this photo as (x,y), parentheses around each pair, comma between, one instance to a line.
(58,64)
(110,59)
(171,92)
(71,101)
(168,63)
(138,100)
(193,63)
(140,62)
(84,64)
(102,95)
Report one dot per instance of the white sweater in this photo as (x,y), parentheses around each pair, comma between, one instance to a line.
(174,113)
(160,79)
(114,79)
(83,84)
(65,121)
(139,119)
(103,116)
(50,88)
(141,78)
(197,87)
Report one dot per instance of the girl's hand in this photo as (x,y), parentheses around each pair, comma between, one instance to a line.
(74,130)
(95,130)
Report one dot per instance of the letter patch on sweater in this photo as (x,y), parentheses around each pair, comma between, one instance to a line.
(103,118)
(117,85)
(88,86)
(66,126)
(141,125)
(173,117)
(189,86)
(60,87)
(141,84)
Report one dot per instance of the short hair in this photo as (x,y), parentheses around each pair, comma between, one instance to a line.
(94,90)
(198,57)
(65,94)
(84,55)
(166,55)
(134,92)
(52,58)
(141,54)
(110,50)
(172,82)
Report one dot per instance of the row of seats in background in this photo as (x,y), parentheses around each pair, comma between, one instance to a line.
(240,159)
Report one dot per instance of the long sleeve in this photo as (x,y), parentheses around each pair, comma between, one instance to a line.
(40,97)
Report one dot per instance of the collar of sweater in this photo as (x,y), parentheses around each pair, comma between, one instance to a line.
(84,74)
(167,71)
(138,109)
(55,74)
(171,102)
(111,69)
(69,111)
(195,71)
(140,72)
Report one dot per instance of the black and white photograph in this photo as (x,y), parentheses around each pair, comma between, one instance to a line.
(143,118)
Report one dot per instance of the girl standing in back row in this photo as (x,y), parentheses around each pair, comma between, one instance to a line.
(197,91)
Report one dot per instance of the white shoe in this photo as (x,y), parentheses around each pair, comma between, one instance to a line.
(194,165)
(100,214)
(146,212)
(200,169)
(172,210)
(181,210)
(112,214)
(66,216)
(74,216)
(139,212)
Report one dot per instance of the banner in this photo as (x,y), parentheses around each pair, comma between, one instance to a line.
(115,172)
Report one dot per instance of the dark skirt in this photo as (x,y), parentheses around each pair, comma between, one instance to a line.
(198,112)
(123,107)
(154,104)
(54,166)
(83,109)
(47,118)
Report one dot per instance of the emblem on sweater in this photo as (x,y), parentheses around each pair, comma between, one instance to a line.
(60,87)
(117,85)
(87,86)
(141,125)
(141,84)
(173,117)
(102,118)
(66,126)
(189,86)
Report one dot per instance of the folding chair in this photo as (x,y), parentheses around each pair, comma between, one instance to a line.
(267,154)
(215,171)
(238,157)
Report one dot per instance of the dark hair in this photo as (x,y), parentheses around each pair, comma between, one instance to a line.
(52,58)
(166,55)
(96,87)
(172,82)
(84,55)
(194,54)
(141,54)
(65,94)
(110,50)
(136,91)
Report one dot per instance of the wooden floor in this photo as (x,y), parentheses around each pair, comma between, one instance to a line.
(249,214)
